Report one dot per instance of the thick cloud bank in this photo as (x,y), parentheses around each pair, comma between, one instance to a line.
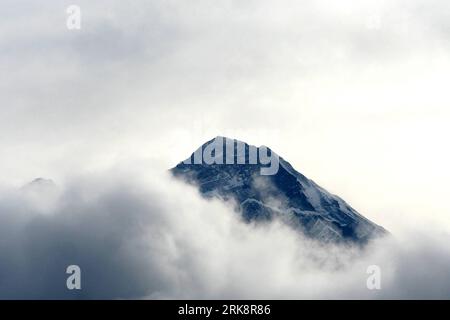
(147,236)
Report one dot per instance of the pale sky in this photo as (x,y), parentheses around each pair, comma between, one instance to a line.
(354,95)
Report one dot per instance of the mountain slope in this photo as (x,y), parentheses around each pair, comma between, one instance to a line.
(286,194)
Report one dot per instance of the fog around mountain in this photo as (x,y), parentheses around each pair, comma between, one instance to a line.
(144,235)
(354,94)
(265,186)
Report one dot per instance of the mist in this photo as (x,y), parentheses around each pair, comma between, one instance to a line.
(147,236)
(353,95)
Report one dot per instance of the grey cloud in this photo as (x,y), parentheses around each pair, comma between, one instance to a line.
(141,79)
(103,236)
(155,238)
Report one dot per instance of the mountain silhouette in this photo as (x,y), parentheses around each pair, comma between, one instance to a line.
(225,168)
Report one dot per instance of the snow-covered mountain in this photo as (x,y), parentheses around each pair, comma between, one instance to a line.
(286,194)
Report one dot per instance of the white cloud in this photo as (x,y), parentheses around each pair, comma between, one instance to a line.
(138,236)
(357,109)
(362,111)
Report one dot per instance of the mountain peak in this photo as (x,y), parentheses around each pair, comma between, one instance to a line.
(223,150)
(266,187)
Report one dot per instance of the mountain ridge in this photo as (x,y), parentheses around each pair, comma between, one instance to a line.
(286,193)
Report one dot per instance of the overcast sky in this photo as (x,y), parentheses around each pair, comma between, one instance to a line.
(353,94)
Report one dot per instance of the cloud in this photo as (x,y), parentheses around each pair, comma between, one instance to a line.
(354,95)
(301,78)
(147,236)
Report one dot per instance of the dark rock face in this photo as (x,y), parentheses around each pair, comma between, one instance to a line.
(286,194)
